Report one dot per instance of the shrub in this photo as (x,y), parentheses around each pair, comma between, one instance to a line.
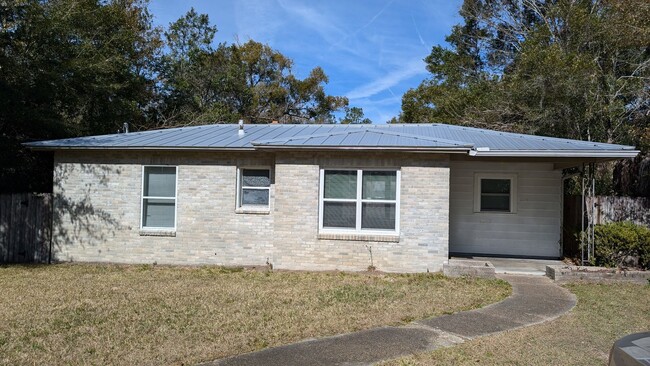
(616,243)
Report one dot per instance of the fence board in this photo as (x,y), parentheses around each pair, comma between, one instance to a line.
(4,228)
(25,227)
(614,208)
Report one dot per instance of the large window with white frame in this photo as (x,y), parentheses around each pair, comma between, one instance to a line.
(495,192)
(254,188)
(359,200)
(159,197)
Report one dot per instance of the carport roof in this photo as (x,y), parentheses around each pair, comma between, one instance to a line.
(403,137)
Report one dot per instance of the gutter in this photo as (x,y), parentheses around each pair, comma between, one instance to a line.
(471,151)
(256,148)
(146,148)
(451,150)
(556,153)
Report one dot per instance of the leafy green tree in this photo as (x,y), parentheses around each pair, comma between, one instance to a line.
(194,78)
(354,115)
(577,69)
(82,67)
(250,81)
(69,68)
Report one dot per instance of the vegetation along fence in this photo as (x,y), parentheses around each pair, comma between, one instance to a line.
(25,227)
(607,209)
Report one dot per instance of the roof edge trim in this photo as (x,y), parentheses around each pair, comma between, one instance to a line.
(465,149)
(118,148)
(560,153)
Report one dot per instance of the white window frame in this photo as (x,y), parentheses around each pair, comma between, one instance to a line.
(512,177)
(240,187)
(143,197)
(359,203)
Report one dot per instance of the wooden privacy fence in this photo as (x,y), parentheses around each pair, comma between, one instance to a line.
(614,208)
(25,227)
(606,209)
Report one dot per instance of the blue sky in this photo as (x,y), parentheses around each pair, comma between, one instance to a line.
(372,51)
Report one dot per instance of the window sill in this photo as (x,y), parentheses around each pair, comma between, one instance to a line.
(253,211)
(496,212)
(390,238)
(145,232)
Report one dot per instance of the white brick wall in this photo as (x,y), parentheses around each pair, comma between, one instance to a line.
(98,198)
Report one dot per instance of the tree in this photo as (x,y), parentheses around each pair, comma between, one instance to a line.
(354,115)
(68,68)
(250,81)
(82,67)
(577,69)
(194,79)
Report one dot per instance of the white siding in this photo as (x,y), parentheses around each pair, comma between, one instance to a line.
(534,230)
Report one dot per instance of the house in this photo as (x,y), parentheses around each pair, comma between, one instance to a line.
(319,197)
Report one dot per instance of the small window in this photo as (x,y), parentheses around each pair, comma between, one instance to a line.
(495,193)
(254,188)
(159,197)
(359,200)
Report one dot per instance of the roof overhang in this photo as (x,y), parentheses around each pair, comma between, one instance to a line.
(447,150)
(608,154)
(138,148)
(598,154)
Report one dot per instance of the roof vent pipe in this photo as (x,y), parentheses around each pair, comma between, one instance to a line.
(125,127)
(241,127)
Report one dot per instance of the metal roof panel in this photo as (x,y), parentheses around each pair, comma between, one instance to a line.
(226,136)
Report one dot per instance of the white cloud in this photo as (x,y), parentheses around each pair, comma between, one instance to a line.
(313,19)
(380,110)
(372,20)
(384,82)
(371,49)
(258,20)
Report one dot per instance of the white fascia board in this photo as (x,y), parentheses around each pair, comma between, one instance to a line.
(140,148)
(558,153)
(462,149)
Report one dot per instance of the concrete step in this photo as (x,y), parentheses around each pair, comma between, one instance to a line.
(468,267)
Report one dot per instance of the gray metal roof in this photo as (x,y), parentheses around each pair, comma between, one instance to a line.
(432,137)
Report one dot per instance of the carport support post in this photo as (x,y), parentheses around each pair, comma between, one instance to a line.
(582,215)
(592,214)
(588,184)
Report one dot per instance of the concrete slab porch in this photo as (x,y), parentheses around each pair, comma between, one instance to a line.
(522,266)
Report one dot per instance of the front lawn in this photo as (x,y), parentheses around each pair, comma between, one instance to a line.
(604,314)
(128,315)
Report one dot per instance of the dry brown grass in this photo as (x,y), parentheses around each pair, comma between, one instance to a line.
(110,314)
(604,314)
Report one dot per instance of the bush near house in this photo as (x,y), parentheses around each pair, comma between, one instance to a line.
(620,244)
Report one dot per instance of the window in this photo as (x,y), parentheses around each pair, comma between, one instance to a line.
(359,200)
(495,193)
(254,187)
(159,197)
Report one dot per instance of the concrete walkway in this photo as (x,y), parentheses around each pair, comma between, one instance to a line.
(534,300)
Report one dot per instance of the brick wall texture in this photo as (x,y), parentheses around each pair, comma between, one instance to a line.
(97,198)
